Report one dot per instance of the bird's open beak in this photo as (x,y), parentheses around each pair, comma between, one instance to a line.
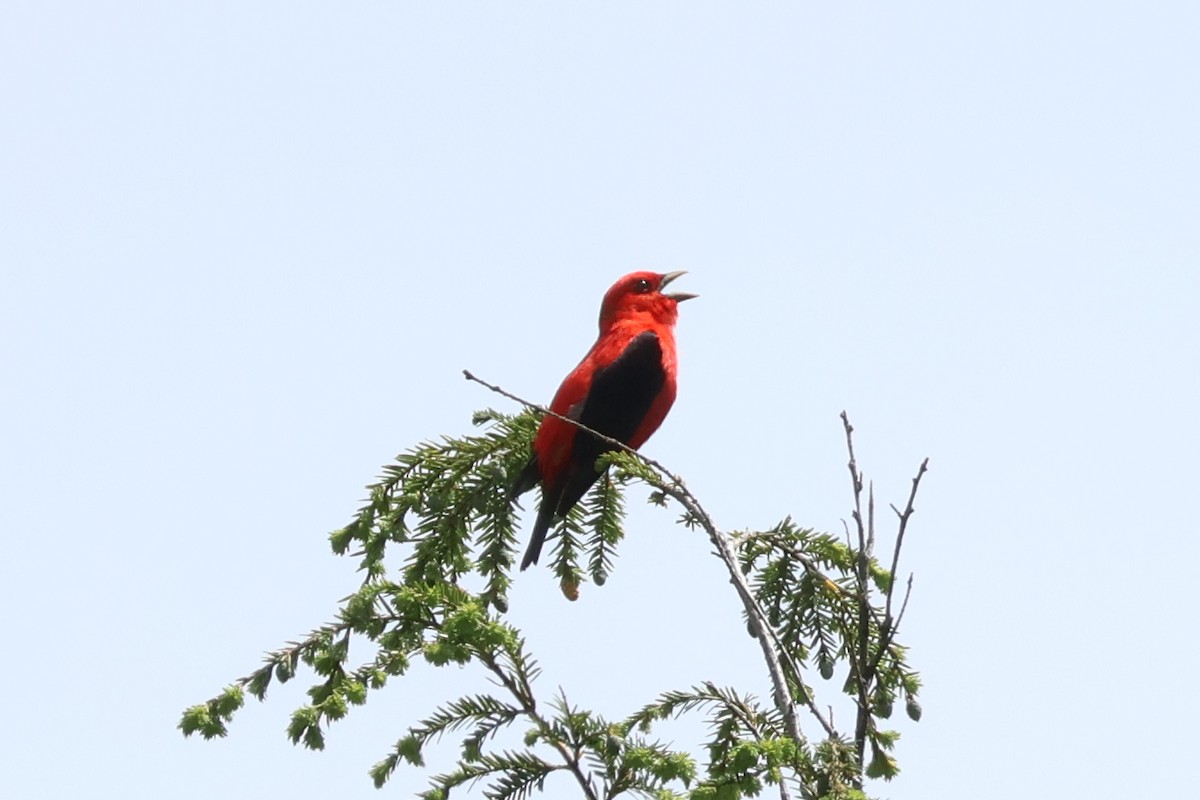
(678,297)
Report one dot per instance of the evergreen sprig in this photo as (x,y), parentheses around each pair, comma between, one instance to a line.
(436,541)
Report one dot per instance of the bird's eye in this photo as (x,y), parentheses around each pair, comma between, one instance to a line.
(642,286)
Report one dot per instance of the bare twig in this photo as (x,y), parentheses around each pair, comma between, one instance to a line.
(855,474)
(672,485)
(904,517)
(871,519)
(866,543)
(904,604)
(890,626)
(865,668)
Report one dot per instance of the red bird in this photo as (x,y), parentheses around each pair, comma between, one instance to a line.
(623,388)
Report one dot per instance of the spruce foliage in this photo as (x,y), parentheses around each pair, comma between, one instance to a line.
(440,519)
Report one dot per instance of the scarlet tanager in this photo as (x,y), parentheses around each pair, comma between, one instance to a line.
(623,388)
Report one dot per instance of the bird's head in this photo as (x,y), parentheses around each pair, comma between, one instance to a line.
(640,294)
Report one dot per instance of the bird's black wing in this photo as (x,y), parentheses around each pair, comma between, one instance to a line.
(619,399)
(617,402)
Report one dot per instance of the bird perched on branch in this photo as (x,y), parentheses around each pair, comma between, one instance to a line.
(623,388)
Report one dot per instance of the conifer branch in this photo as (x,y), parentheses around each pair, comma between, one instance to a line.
(773,651)
(445,510)
(518,686)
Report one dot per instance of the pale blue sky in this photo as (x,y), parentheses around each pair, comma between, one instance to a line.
(248,247)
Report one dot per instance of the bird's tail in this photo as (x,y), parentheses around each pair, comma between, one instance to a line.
(540,527)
